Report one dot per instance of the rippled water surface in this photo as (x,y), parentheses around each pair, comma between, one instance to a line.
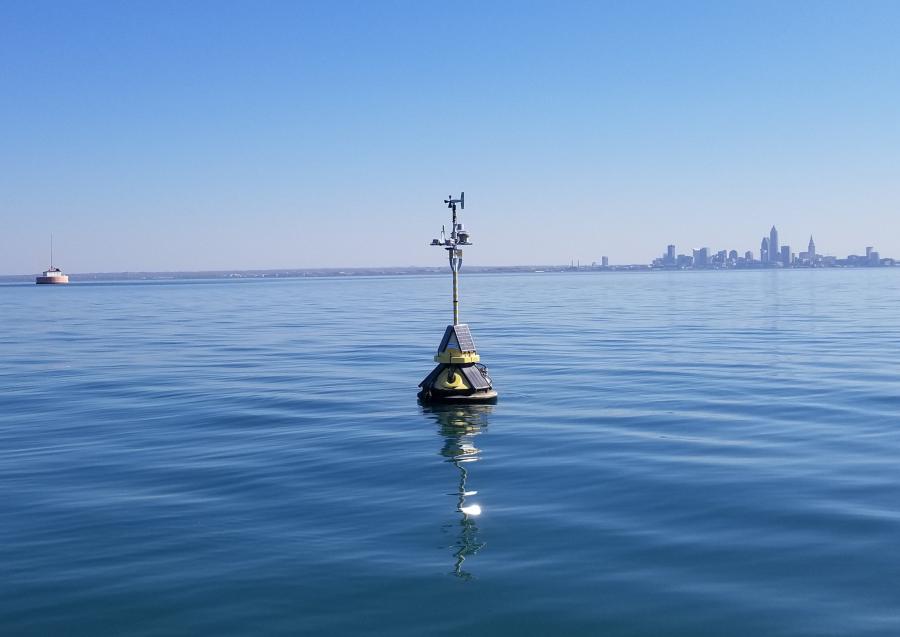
(672,454)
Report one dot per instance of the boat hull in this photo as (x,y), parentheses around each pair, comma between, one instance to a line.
(51,280)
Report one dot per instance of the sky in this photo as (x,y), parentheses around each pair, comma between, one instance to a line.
(164,135)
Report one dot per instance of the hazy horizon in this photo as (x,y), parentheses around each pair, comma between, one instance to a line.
(289,136)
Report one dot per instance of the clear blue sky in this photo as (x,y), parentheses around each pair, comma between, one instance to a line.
(216,135)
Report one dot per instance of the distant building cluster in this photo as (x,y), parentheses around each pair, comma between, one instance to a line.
(771,255)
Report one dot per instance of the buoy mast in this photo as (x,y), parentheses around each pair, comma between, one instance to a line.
(458,237)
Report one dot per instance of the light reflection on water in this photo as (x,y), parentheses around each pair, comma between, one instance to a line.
(459,425)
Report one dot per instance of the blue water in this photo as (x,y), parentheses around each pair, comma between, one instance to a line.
(672,454)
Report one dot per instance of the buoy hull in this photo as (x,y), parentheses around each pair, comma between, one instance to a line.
(459,377)
(449,383)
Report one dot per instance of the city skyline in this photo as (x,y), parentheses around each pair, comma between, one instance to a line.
(771,254)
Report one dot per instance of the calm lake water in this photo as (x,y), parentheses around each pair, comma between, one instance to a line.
(711,453)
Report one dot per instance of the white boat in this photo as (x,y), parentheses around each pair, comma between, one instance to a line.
(52,274)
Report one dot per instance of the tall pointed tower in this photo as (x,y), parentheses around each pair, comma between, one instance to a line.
(774,249)
(811,249)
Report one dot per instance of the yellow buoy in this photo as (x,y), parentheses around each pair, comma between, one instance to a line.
(459,375)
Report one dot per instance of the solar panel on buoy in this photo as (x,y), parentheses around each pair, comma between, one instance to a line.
(458,337)
(464,336)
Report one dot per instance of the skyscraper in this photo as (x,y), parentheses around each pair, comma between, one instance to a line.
(786,256)
(701,257)
(764,250)
(773,243)
(670,254)
(811,251)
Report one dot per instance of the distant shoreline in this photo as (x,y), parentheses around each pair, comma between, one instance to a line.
(295,273)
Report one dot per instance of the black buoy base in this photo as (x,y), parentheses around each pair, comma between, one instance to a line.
(447,397)
(458,383)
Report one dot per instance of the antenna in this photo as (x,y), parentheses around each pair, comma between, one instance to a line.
(51,250)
